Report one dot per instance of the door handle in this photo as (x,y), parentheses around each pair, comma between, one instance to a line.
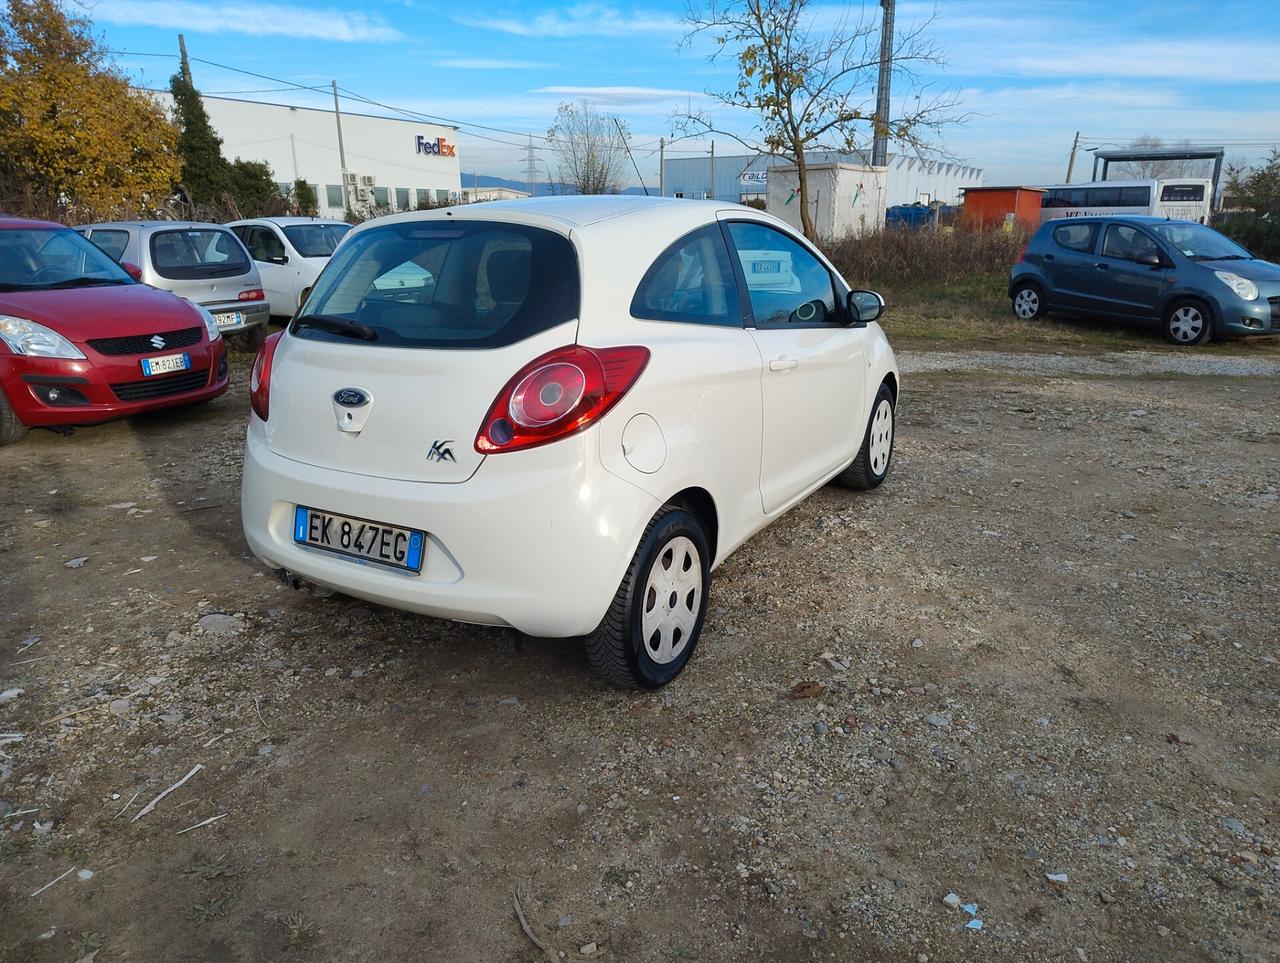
(1102,267)
(782,364)
(1048,257)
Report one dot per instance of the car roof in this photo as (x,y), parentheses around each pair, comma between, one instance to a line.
(579,214)
(19,223)
(285,221)
(153,225)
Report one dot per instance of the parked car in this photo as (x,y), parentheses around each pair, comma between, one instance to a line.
(584,407)
(81,341)
(290,253)
(1196,282)
(205,263)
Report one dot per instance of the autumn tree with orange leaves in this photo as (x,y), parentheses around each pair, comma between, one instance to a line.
(76,142)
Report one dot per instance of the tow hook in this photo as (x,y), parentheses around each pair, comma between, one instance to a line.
(300,584)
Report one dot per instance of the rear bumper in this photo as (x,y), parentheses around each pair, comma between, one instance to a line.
(254,313)
(537,540)
(54,391)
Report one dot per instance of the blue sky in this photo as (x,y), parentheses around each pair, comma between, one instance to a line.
(1031,72)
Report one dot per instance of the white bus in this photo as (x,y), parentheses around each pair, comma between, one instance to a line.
(1180,198)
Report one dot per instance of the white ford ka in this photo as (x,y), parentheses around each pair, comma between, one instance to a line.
(559,415)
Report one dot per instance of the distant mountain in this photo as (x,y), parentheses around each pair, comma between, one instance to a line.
(541,189)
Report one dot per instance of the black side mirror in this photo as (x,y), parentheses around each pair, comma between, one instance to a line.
(1150,259)
(864,306)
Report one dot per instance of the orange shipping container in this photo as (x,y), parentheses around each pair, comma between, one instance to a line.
(986,206)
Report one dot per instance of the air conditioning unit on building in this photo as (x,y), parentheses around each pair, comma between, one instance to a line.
(366,180)
(364,195)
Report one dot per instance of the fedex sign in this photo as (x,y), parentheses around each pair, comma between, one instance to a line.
(437,146)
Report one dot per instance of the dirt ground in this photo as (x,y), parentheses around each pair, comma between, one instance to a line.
(1048,645)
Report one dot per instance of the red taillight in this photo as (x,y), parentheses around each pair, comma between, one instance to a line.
(260,377)
(253,294)
(558,394)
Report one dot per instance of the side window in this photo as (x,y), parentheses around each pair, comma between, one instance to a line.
(1076,237)
(1104,197)
(786,283)
(691,281)
(263,244)
(111,243)
(1127,243)
(1135,197)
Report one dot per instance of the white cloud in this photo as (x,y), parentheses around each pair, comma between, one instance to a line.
(579,20)
(258,19)
(492,63)
(621,95)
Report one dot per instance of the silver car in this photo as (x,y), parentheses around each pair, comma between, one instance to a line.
(204,263)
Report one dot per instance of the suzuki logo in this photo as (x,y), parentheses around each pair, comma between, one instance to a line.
(440,451)
(350,398)
(157,342)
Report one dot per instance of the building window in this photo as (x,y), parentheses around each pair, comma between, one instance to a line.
(284,187)
(381,197)
(402,198)
(442,197)
(424,197)
(333,195)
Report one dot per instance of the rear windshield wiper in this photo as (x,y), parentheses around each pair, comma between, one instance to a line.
(337,325)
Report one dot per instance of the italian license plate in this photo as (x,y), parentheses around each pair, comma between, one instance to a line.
(229,319)
(360,539)
(165,363)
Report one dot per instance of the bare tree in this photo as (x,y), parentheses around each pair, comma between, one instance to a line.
(592,148)
(808,74)
(1161,167)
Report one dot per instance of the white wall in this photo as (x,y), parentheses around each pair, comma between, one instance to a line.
(302,142)
(843,198)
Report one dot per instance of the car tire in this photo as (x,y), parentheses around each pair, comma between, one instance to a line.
(1187,323)
(252,338)
(655,619)
(871,467)
(1028,302)
(12,430)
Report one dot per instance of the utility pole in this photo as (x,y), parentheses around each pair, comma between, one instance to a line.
(185,67)
(712,193)
(1071,163)
(342,152)
(531,170)
(662,167)
(880,136)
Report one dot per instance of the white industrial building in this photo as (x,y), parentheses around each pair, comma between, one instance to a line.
(390,162)
(745,177)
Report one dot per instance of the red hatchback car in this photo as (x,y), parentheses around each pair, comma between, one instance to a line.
(81,341)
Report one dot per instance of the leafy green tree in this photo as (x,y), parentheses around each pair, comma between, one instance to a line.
(304,197)
(206,175)
(76,142)
(1252,203)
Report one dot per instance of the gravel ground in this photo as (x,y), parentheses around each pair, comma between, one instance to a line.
(1031,682)
(1116,363)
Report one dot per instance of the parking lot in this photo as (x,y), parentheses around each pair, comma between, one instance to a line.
(1036,670)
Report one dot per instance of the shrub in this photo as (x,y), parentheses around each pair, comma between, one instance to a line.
(897,256)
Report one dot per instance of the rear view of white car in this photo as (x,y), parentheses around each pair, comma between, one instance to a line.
(561,414)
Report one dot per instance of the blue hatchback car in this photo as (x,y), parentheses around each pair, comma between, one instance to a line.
(1196,282)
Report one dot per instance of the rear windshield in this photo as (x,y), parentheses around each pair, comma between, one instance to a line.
(315,240)
(447,284)
(191,253)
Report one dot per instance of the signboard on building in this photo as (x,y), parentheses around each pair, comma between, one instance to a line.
(754,182)
(439,146)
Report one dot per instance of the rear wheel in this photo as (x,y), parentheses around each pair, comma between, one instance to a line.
(1028,302)
(251,339)
(11,429)
(653,624)
(1187,323)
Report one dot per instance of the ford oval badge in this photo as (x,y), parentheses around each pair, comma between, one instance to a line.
(350,397)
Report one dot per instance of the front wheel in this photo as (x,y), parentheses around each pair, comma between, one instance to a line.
(871,466)
(1186,323)
(12,430)
(653,624)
